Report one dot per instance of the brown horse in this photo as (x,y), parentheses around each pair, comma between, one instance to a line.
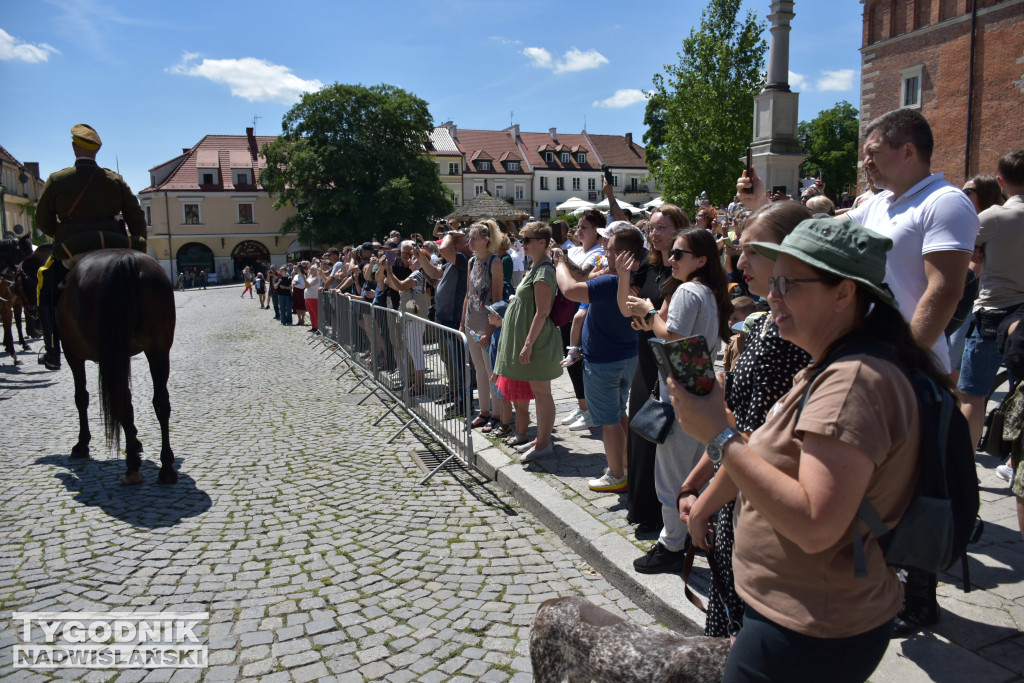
(118,303)
(12,252)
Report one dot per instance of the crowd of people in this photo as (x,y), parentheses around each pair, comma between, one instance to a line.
(767,472)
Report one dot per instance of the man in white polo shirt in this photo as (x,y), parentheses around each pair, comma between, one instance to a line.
(931,222)
(933,225)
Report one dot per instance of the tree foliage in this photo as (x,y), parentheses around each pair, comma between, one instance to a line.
(700,114)
(351,160)
(832,137)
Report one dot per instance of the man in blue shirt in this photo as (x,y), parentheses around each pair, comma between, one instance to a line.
(609,351)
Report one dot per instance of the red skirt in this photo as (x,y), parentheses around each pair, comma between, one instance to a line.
(515,389)
(298,300)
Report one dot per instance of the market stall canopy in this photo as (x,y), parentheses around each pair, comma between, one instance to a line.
(573,203)
(654,203)
(486,206)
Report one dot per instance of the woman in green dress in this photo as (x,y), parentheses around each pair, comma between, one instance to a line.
(530,348)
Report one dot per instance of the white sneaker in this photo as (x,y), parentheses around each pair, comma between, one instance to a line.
(581,423)
(573,416)
(607,482)
(1005,473)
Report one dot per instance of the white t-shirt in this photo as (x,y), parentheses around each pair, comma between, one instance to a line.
(692,311)
(586,259)
(931,216)
(518,256)
(312,287)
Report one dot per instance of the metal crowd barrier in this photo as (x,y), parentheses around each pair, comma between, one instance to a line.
(409,363)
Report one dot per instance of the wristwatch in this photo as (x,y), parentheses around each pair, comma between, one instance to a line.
(718,443)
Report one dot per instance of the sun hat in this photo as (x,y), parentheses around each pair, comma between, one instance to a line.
(498,308)
(839,246)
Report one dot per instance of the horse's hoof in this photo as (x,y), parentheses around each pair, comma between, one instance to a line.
(80,452)
(131,478)
(167,477)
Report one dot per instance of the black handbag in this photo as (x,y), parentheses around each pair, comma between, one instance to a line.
(654,419)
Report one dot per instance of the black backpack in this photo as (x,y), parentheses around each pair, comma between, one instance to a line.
(942,517)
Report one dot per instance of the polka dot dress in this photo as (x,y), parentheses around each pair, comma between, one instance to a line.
(763,374)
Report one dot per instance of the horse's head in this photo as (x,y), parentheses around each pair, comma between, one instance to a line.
(13,251)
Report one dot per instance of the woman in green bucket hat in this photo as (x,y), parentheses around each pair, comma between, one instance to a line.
(803,474)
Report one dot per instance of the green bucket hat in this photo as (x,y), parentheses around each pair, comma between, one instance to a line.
(839,246)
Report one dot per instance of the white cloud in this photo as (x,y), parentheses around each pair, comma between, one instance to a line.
(506,41)
(574,60)
(840,80)
(622,98)
(540,57)
(257,80)
(11,48)
(798,82)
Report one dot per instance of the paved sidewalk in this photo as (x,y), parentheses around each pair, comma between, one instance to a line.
(977,639)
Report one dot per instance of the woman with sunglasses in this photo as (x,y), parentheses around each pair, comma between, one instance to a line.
(847,430)
(696,304)
(530,348)
(763,373)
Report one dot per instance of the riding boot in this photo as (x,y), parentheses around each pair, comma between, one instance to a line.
(920,606)
(51,341)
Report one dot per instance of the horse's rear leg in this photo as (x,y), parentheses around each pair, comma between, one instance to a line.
(17,323)
(160,369)
(77,365)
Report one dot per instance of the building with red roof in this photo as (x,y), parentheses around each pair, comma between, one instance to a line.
(206,209)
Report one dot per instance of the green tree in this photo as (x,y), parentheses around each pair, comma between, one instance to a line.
(831,146)
(701,111)
(351,160)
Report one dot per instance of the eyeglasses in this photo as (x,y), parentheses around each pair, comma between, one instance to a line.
(525,239)
(969,190)
(677,254)
(782,285)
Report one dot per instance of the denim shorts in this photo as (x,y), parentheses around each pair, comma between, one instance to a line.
(980,365)
(606,387)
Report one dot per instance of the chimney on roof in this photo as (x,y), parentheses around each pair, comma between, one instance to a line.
(186,150)
(453,130)
(629,140)
(32,168)
(553,133)
(515,131)
(254,149)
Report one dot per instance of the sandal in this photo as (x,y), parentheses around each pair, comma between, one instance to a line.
(491,425)
(516,439)
(502,431)
(480,420)
(574,356)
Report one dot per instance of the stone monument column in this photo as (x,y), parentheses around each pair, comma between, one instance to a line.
(776,148)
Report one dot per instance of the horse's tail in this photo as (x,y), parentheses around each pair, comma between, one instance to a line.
(118,296)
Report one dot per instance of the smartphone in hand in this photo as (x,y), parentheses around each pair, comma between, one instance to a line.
(607,174)
(390,255)
(688,361)
(750,172)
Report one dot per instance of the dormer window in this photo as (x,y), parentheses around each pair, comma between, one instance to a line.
(512,165)
(243,178)
(565,157)
(483,165)
(209,177)
(581,157)
(549,157)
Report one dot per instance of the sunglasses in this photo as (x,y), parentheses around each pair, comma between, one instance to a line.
(677,254)
(782,285)
(526,239)
(969,190)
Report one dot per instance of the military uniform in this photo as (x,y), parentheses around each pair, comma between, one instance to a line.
(83,198)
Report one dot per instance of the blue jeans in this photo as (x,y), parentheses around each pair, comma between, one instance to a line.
(285,301)
(456,356)
(980,365)
(606,386)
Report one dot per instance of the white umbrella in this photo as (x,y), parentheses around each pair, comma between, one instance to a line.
(573,203)
(654,203)
(625,206)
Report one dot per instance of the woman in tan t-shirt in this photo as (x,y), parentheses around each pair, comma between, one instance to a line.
(804,473)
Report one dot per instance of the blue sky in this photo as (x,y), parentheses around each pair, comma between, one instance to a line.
(153,78)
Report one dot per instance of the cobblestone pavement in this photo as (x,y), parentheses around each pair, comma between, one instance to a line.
(305,536)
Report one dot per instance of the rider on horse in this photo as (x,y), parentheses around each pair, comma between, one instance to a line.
(78,210)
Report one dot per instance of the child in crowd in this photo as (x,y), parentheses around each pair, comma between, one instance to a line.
(743,307)
(510,392)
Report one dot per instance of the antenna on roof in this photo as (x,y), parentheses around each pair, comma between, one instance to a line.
(511,114)
(117,165)
(584,123)
(255,118)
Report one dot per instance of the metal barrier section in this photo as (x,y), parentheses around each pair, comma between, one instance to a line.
(409,364)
